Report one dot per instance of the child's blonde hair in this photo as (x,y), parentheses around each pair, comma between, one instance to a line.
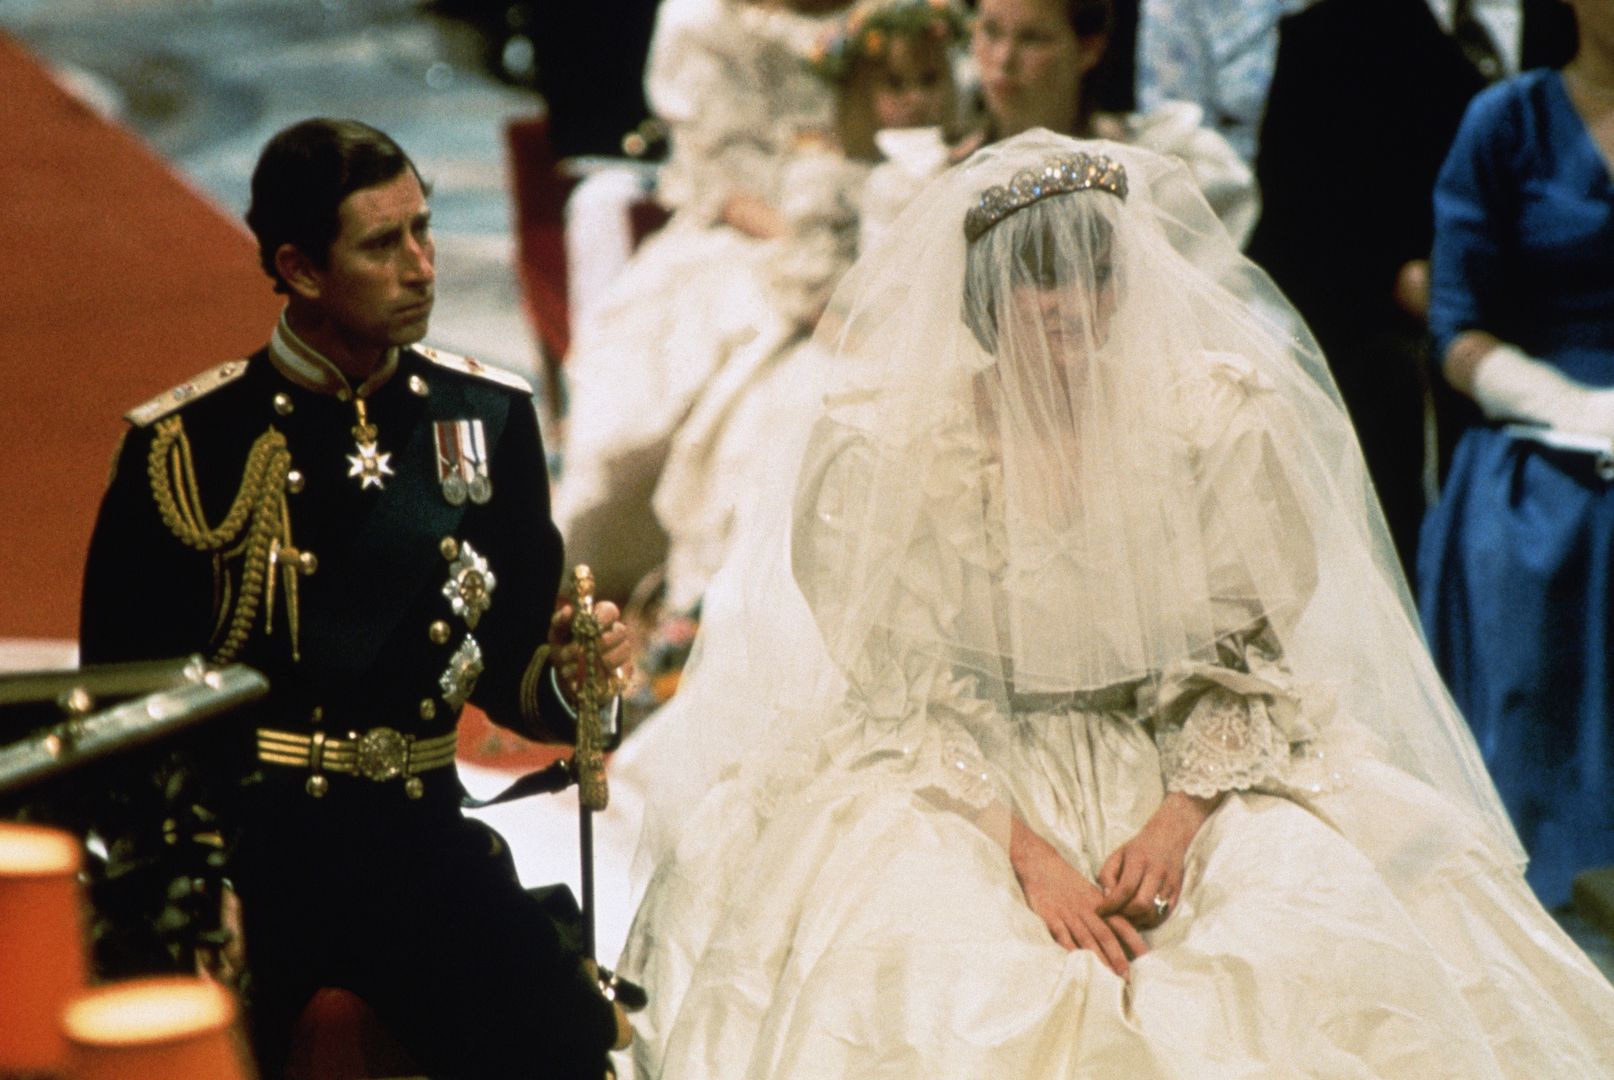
(850,55)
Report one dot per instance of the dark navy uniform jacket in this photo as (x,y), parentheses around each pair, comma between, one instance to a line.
(367,654)
(378,642)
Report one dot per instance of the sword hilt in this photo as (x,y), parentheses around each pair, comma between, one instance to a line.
(593,688)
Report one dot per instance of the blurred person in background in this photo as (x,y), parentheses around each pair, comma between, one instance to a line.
(891,65)
(1217,54)
(1040,62)
(1349,149)
(731,81)
(1517,560)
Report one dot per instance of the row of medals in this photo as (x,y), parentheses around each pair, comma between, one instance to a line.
(462,457)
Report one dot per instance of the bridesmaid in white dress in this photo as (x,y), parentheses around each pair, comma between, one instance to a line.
(1067,716)
(730,79)
(891,65)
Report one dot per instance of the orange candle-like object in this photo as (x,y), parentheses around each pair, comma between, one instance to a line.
(41,944)
(163,1028)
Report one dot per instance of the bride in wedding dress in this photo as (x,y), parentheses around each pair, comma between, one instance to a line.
(1065,715)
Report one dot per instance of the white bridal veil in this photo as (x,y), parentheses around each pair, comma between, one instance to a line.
(1083,349)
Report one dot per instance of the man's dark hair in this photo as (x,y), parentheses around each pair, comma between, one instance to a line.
(302,177)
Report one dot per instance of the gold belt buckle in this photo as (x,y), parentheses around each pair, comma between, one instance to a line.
(381,754)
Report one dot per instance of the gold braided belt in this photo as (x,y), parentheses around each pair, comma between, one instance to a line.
(379,754)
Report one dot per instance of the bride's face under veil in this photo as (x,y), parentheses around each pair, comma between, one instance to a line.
(1109,561)
(1078,449)
(1047,332)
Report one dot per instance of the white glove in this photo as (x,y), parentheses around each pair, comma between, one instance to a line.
(1508,384)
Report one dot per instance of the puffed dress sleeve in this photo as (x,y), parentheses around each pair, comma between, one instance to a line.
(911,714)
(1238,720)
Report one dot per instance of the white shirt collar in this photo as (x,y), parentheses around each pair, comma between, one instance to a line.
(1503,18)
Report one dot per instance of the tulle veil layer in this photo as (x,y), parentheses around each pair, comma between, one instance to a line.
(1084,351)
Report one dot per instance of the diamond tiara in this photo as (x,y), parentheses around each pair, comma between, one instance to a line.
(1080,171)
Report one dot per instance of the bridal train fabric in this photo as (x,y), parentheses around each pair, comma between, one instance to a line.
(1081,531)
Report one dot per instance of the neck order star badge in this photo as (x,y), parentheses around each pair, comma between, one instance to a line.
(370,465)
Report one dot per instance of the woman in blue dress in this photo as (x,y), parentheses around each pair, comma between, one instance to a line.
(1517,561)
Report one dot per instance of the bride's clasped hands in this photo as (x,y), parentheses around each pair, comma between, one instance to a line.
(1137,887)
(1142,879)
(1069,904)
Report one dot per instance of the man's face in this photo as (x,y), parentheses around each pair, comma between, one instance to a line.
(377,285)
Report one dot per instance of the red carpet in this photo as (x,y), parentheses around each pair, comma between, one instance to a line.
(117,281)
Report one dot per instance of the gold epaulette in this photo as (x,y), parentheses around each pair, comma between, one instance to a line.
(188,391)
(475,368)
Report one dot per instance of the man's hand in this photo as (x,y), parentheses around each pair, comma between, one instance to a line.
(1150,865)
(1068,903)
(616,647)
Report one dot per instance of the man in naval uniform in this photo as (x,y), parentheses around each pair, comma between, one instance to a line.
(365,520)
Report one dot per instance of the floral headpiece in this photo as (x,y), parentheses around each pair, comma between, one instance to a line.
(867,30)
(1080,171)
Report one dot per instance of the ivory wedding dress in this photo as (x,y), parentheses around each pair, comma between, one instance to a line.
(1081,522)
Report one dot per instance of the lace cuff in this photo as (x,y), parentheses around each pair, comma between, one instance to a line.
(1227,742)
(1232,725)
(964,783)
